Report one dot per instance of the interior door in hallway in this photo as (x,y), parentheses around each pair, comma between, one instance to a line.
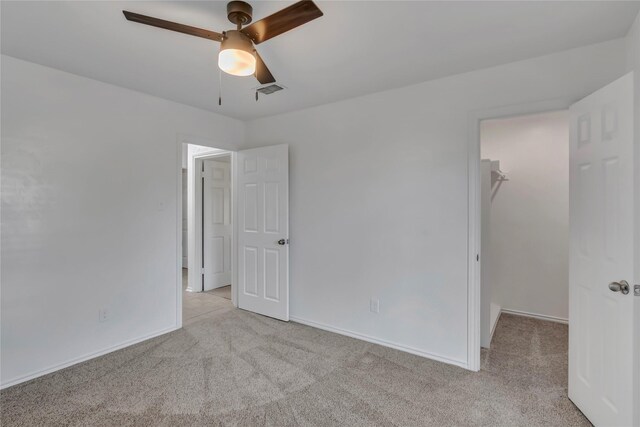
(217,224)
(263,230)
(601,317)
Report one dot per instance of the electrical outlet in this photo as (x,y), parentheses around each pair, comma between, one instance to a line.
(374,305)
(103,315)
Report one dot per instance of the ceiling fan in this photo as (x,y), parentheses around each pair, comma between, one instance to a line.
(238,55)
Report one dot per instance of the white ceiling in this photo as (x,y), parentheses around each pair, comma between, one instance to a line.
(356,48)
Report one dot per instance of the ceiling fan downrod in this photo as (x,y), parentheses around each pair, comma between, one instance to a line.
(239,13)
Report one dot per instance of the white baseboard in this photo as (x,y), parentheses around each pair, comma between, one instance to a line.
(84,358)
(378,341)
(536,316)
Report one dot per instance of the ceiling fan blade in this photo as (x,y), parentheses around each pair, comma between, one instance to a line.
(282,21)
(263,74)
(173,26)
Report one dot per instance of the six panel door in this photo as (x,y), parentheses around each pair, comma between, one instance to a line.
(601,328)
(217,224)
(263,232)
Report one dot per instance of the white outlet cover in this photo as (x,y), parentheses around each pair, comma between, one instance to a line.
(374,305)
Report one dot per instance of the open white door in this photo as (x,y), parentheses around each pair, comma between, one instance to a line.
(601,328)
(217,224)
(263,230)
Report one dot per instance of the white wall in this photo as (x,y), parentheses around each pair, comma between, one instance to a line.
(379,196)
(529,221)
(90,184)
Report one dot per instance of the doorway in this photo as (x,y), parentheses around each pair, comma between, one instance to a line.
(602,220)
(208,241)
(238,226)
(524,219)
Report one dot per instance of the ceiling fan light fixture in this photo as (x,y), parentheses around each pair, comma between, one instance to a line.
(236,54)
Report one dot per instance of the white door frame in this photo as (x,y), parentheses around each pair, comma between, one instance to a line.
(474,201)
(179,233)
(182,139)
(198,161)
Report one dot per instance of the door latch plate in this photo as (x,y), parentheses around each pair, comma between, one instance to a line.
(636,290)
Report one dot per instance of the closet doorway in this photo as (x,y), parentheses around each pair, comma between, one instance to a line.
(524,219)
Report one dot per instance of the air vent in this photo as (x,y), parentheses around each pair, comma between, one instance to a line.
(268,90)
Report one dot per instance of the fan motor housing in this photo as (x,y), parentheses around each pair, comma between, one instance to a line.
(234,39)
(239,12)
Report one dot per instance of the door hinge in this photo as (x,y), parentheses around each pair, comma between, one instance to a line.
(477,257)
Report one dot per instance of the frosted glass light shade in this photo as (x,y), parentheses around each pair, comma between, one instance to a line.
(236,54)
(237,62)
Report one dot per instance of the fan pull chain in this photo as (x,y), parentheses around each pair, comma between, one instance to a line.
(219,86)
(255,73)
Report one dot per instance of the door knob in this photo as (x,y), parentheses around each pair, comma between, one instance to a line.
(283,242)
(621,286)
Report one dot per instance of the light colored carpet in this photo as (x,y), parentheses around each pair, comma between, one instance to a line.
(232,367)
